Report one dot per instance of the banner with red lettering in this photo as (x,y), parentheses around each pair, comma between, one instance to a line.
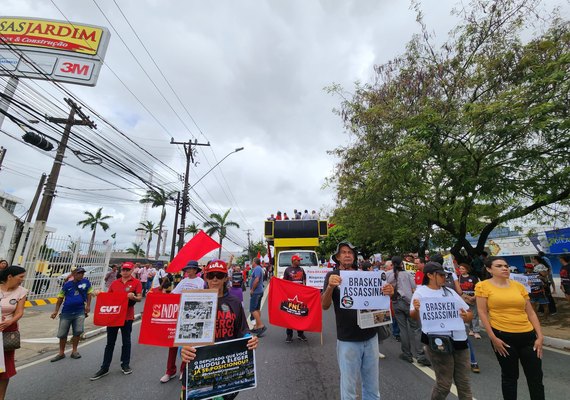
(295,306)
(111,309)
(159,318)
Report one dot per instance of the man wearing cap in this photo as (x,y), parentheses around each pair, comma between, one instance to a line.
(296,274)
(76,298)
(133,288)
(357,349)
(256,293)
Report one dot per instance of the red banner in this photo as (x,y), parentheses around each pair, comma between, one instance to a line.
(295,306)
(111,309)
(196,247)
(159,318)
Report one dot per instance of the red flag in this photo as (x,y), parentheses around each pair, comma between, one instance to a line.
(159,317)
(259,255)
(295,306)
(111,309)
(196,247)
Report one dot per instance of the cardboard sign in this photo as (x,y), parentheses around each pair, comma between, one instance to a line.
(220,369)
(316,276)
(196,323)
(111,309)
(159,319)
(440,314)
(362,290)
(373,318)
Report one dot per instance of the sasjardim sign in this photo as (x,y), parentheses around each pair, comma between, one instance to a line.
(49,49)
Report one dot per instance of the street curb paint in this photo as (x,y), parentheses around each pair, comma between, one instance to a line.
(40,302)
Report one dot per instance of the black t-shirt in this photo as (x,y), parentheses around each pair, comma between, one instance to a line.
(231,322)
(565,275)
(347,328)
(294,274)
(237,279)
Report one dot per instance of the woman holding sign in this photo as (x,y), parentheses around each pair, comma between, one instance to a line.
(512,325)
(231,322)
(443,314)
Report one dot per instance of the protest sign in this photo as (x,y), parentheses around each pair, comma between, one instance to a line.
(220,369)
(377,257)
(448,263)
(111,309)
(316,276)
(159,319)
(440,314)
(196,317)
(520,278)
(372,318)
(362,290)
(294,306)
(410,267)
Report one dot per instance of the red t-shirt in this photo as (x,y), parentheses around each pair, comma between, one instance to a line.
(132,285)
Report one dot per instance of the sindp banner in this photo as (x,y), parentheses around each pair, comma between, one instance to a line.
(159,319)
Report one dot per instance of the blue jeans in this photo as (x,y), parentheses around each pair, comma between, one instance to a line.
(75,321)
(395,328)
(112,332)
(359,361)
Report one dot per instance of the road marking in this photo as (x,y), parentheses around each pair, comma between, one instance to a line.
(431,373)
(86,343)
(49,340)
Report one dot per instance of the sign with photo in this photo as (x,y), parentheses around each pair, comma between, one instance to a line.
(316,276)
(373,318)
(220,369)
(196,317)
(440,314)
(362,290)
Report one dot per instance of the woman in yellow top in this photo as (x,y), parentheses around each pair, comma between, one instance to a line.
(513,327)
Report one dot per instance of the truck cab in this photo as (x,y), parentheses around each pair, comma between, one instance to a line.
(294,237)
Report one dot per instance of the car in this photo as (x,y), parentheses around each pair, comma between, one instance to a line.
(91,272)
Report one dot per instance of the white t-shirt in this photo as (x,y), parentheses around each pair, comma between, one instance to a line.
(424,291)
(188,284)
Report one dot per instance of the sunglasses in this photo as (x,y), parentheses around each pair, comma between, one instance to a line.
(125,269)
(217,275)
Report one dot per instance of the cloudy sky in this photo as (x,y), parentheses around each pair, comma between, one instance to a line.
(250,73)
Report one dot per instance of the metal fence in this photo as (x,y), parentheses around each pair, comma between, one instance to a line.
(58,256)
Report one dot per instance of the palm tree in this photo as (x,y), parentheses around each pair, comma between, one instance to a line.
(192,229)
(219,225)
(158,198)
(136,250)
(148,228)
(92,221)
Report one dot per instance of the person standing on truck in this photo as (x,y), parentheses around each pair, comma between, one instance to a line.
(296,274)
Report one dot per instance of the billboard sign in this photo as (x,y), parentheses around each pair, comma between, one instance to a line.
(559,240)
(55,50)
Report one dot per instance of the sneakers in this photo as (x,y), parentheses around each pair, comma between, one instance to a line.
(167,377)
(424,361)
(397,337)
(406,358)
(477,335)
(475,368)
(57,358)
(289,339)
(381,355)
(75,355)
(126,369)
(99,374)
(302,337)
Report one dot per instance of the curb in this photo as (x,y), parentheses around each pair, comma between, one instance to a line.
(98,331)
(40,302)
(561,344)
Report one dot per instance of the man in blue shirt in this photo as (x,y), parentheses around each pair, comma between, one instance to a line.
(76,298)
(256,293)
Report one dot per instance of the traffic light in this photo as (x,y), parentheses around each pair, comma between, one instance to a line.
(38,141)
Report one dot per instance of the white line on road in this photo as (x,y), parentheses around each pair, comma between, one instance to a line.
(86,343)
(431,373)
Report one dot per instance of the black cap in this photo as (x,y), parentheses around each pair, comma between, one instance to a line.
(192,264)
(432,267)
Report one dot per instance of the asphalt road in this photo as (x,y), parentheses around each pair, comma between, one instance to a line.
(300,371)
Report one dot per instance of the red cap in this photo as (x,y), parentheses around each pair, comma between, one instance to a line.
(216,266)
(128,265)
(529,266)
(296,257)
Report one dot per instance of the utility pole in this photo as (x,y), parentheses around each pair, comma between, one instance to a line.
(248,231)
(49,192)
(189,151)
(2,154)
(173,247)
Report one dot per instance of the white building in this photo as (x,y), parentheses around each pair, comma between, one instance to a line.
(9,225)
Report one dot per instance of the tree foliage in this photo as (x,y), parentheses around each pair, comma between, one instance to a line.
(136,250)
(93,221)
(219,224)
(158,198)
(149,228)
(458,139)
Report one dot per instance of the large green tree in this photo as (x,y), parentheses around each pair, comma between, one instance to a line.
(158,198)
(149,228)
(192,229)
(219,224)
(460,138)
(136,250)
(93,221)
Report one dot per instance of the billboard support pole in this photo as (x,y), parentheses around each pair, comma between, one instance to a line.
(5,101)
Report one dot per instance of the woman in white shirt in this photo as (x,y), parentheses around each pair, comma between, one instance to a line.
(454,364)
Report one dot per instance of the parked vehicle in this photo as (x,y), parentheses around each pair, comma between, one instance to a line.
(91,272)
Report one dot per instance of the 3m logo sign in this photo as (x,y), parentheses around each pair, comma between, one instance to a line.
(74,69)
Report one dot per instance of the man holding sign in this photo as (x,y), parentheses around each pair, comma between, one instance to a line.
(443,314)
(357,349)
